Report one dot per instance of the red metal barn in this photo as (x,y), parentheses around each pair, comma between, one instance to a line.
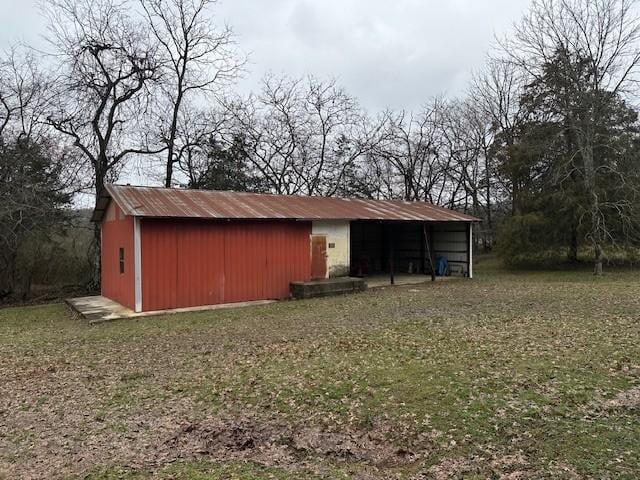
(172,248)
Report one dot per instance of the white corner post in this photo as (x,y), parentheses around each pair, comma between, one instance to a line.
(137,264)
(470,250)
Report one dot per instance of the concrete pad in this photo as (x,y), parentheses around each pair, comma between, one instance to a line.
(327,287)
(98,309)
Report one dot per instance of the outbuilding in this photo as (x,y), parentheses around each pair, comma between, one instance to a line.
(174,248)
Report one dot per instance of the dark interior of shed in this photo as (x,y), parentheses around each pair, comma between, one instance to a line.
(389,247)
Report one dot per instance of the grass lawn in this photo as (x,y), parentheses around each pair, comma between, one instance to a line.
(511,375)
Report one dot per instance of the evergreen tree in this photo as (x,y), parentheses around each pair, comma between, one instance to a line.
(33,203)
(225,167)
(552,195)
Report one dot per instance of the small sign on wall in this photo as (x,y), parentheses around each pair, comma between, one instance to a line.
(332,245)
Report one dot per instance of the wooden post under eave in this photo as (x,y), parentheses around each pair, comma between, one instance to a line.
(432,258)
(470,250)
(423,249)
(391,255)
(429,245)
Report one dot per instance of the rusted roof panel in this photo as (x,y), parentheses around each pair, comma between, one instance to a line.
(180,203)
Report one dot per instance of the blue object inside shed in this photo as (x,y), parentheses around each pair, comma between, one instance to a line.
(442,266)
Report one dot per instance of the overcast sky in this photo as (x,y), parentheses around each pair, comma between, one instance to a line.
(395,53)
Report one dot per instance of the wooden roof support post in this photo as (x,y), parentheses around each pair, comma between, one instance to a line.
(423,250)
(428,238)
(470,250)
(391,255)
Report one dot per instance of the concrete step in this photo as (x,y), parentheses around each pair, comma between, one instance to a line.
(328,287)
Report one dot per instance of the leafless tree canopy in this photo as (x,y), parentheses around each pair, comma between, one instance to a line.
(107,70)
(24,95)
(198,60)
(302,135)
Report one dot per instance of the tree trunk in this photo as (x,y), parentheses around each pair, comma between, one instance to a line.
(573,243)
(94,253)
(597,233)
(171,144)
(515,206)
(94,257)
(599,256)
(8,287)
(169,172)
(488,236)
(26,290)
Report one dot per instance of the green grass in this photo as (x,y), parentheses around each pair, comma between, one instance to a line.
(201,470)
(512,373)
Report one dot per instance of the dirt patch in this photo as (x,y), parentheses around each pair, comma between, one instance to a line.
(452,468)
(275,443)
(351,445)
(507,467)
(564,470)
(226,438)
(628,399)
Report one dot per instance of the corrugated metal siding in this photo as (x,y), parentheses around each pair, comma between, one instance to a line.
(178,203)
(117,232)
(189,263)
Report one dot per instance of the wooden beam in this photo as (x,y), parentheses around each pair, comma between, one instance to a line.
(470,250)
(423,248)
(391,255)
(383,246)
(429,243)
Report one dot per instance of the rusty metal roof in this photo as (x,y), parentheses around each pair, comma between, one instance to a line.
(180,203)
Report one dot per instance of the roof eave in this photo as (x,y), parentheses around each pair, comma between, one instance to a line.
(102,204)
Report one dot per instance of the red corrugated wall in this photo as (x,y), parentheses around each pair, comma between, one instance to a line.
(189,263)
(117,232)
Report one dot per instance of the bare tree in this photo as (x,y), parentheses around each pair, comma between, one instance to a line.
(411,146)
(197,130)
(462,136)
(303,135)
(9,96)
(482,135)
(106,68)
(603,35)
(337,133)
(496,92)
(23,95)
(199,59)
(272,124)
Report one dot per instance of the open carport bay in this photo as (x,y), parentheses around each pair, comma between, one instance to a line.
(406,247)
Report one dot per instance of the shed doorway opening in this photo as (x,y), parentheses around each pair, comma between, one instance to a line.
(410,250)
(389,248)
